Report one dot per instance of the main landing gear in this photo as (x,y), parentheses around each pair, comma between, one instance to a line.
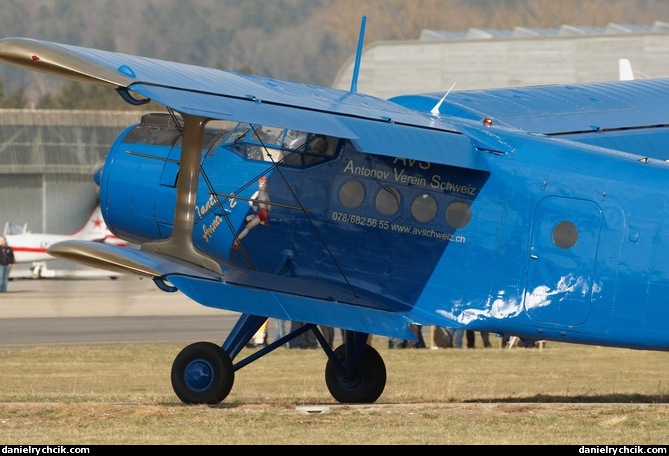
(203,372)
(355,377)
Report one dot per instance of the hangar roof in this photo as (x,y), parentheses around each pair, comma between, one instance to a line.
(484,58)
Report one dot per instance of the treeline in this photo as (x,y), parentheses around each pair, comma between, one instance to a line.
(297,40)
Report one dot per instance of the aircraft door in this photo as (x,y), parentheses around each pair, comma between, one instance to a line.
(562,260)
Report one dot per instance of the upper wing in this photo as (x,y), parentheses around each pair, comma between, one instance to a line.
(374,125)
(628,116)
(557,109)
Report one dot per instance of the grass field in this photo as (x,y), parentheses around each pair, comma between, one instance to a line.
(563,394)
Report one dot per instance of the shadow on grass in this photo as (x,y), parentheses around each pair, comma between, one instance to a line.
(536,399)
(583,399)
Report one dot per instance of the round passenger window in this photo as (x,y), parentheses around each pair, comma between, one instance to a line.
(387,201)
(351,194)
(565,234)
(458,214)
(424,207)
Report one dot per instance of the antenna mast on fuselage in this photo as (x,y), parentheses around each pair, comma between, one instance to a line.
(358,55)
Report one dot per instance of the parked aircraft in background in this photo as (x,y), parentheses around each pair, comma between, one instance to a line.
(537,212)
(32,247)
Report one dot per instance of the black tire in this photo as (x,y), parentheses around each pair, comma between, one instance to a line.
(202,373)
(365,385)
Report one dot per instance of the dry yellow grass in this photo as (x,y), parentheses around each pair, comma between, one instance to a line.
(563,394)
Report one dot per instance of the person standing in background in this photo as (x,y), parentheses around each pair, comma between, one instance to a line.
(6,262)
(471,339)
(279,329)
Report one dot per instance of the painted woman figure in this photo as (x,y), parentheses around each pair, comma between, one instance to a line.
(259,203)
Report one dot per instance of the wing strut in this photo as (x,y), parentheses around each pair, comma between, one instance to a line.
(180,243)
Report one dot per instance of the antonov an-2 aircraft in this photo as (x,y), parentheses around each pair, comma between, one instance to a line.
(538,212)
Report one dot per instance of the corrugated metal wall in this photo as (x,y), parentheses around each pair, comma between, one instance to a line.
(47,158)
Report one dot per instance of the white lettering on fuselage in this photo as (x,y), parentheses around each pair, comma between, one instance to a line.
(410,180)
(365,171)
(400,175)
(411,163)
(450,187)
(375,223)
(201,210)
(208,231)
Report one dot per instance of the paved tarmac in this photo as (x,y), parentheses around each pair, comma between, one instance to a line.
(124,296)
(102,310)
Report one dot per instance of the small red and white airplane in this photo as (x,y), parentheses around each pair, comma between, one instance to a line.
(31,247)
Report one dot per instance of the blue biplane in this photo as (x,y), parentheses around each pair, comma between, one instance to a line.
(537,212)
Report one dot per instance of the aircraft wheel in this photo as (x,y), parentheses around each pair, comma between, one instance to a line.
(202,373)
(365,385)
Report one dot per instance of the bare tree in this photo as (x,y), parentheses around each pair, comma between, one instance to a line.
(298,40)
(405,19)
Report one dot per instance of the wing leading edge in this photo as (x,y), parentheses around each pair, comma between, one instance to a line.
(285,298)
(216,94)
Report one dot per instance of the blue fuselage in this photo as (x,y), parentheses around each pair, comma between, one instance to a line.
(555,240)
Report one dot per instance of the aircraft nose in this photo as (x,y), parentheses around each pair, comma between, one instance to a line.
(97,174)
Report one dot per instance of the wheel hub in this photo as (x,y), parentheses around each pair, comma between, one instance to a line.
(199,375)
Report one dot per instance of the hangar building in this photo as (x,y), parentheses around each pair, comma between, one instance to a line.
(481,59)
(47,158)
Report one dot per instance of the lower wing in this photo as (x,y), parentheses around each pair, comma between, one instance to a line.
(241,290)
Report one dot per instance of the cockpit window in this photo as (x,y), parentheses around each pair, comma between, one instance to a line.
(238,133)
(282,146)
(306,149)
(267,135)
